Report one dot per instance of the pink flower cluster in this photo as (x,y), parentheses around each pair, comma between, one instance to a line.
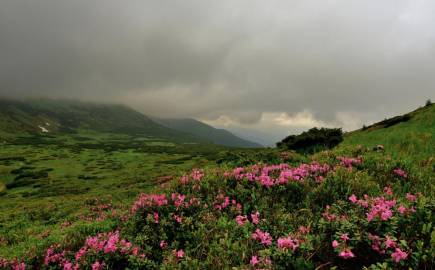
(257,261)
(149,200)
(14,264)
(383,245)
(195,176)
(106,243)
(263,237)
(97,265)
(242,220)
(400,172)
(51,256)
(288,243)
(159,200)
(398,255)
(380,207)
(221,202)
(345,252)
(348,162)
(281,174)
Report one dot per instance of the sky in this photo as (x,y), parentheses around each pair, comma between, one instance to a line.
(259,68)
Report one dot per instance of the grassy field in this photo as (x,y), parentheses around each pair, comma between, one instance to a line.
(50,180)
(411,139)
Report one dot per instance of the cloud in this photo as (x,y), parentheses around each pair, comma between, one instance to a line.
(303,119)
(246,61)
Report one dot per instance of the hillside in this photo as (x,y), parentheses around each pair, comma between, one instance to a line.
(405,136)
(201,130)
(62,116)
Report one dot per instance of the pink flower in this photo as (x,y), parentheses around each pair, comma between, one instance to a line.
(149,200)
(80,253)
(335,244)
(156,217)
(388,191)
(385,215)
(263,237)
(20,266)
(241,220)
(304,229)
(389,242)
(255,218)
(184,179)
(97,265)
(380,207)
(328,216)
(401,173)
(111,243)
(163,244)
(254,261)
(353,198)
(344,237)
(197,174)
(402,209)
(180,254)
(399,255)
(178,199)
(178,218)
(376,242)
(411,197)
(346,254)
(288,243)
(67,266)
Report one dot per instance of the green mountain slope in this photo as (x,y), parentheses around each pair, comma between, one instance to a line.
(201,130)
(61,116)
(408,135)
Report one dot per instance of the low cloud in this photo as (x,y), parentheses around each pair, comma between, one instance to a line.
(274,65)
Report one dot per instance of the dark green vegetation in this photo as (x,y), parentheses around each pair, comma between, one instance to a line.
(313,140)
(206,132)
(63,187)
(69,117)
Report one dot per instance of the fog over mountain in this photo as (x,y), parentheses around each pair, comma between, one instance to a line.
(278,66)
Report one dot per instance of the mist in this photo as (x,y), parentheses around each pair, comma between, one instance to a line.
(274,67)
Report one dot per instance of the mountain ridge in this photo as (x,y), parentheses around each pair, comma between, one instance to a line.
(202,130)
(52,116)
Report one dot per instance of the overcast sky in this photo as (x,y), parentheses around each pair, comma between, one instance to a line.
(274,66)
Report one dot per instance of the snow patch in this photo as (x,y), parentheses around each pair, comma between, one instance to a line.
(43,129)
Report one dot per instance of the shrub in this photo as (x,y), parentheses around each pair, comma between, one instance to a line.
(313,140)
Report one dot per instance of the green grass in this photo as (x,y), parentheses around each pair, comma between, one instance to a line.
(46,181)
(411,140)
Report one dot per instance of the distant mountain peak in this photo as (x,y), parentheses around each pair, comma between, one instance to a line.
(205,131)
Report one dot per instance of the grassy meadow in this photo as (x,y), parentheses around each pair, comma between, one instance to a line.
(49,180)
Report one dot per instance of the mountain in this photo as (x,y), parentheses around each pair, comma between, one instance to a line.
(254,135)
(66,116)
(202,130)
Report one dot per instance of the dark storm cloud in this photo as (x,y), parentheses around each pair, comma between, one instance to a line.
(270,64)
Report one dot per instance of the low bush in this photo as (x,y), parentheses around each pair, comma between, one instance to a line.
(313,140)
